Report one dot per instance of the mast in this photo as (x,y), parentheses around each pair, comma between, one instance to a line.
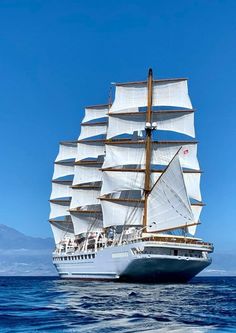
(148,147)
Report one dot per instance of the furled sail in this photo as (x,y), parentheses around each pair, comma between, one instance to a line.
(165,93)
(168,205)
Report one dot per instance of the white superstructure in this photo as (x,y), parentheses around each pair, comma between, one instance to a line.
(124,204)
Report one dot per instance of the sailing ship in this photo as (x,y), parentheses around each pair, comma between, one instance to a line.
(125,205)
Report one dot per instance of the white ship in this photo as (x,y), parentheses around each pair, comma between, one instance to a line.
(125,204)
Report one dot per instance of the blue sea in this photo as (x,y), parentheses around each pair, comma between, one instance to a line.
(43,304)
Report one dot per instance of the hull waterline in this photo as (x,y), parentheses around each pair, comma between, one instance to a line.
(162,270)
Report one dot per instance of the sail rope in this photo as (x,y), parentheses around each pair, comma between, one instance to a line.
(179,199)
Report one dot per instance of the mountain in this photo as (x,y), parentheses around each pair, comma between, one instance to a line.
(13,239)
(25,255)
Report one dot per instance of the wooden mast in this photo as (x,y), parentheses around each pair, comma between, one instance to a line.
(148,147)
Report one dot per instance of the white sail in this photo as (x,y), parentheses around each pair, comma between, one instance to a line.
(110,197)
(63,170)
(62,230)
(63,167)
(67,151)
(192,183)
(59,209)
(126,110)
(85,196)
(174,94)
(121,213)
(87,174)
(60,191)
(130,154)
(94,113)
(196,213)
(115,181)
(168,204)
(92,131)
(191,180)
(84,222)
(118,155)
(180,122)
(91,149)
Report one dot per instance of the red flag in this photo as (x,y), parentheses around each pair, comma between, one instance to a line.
(185,151)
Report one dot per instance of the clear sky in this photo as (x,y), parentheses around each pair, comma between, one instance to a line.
(58,56)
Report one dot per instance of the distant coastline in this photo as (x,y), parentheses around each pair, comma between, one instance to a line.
(22,255)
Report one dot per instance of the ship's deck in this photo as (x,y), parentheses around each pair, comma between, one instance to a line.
(175,239)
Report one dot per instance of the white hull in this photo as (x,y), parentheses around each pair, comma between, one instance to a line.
(140,261)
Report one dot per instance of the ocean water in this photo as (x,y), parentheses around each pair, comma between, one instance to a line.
(52,305)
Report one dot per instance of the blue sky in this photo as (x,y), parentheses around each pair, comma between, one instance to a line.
(58,56)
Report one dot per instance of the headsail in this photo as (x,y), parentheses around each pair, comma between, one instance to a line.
(168,205)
